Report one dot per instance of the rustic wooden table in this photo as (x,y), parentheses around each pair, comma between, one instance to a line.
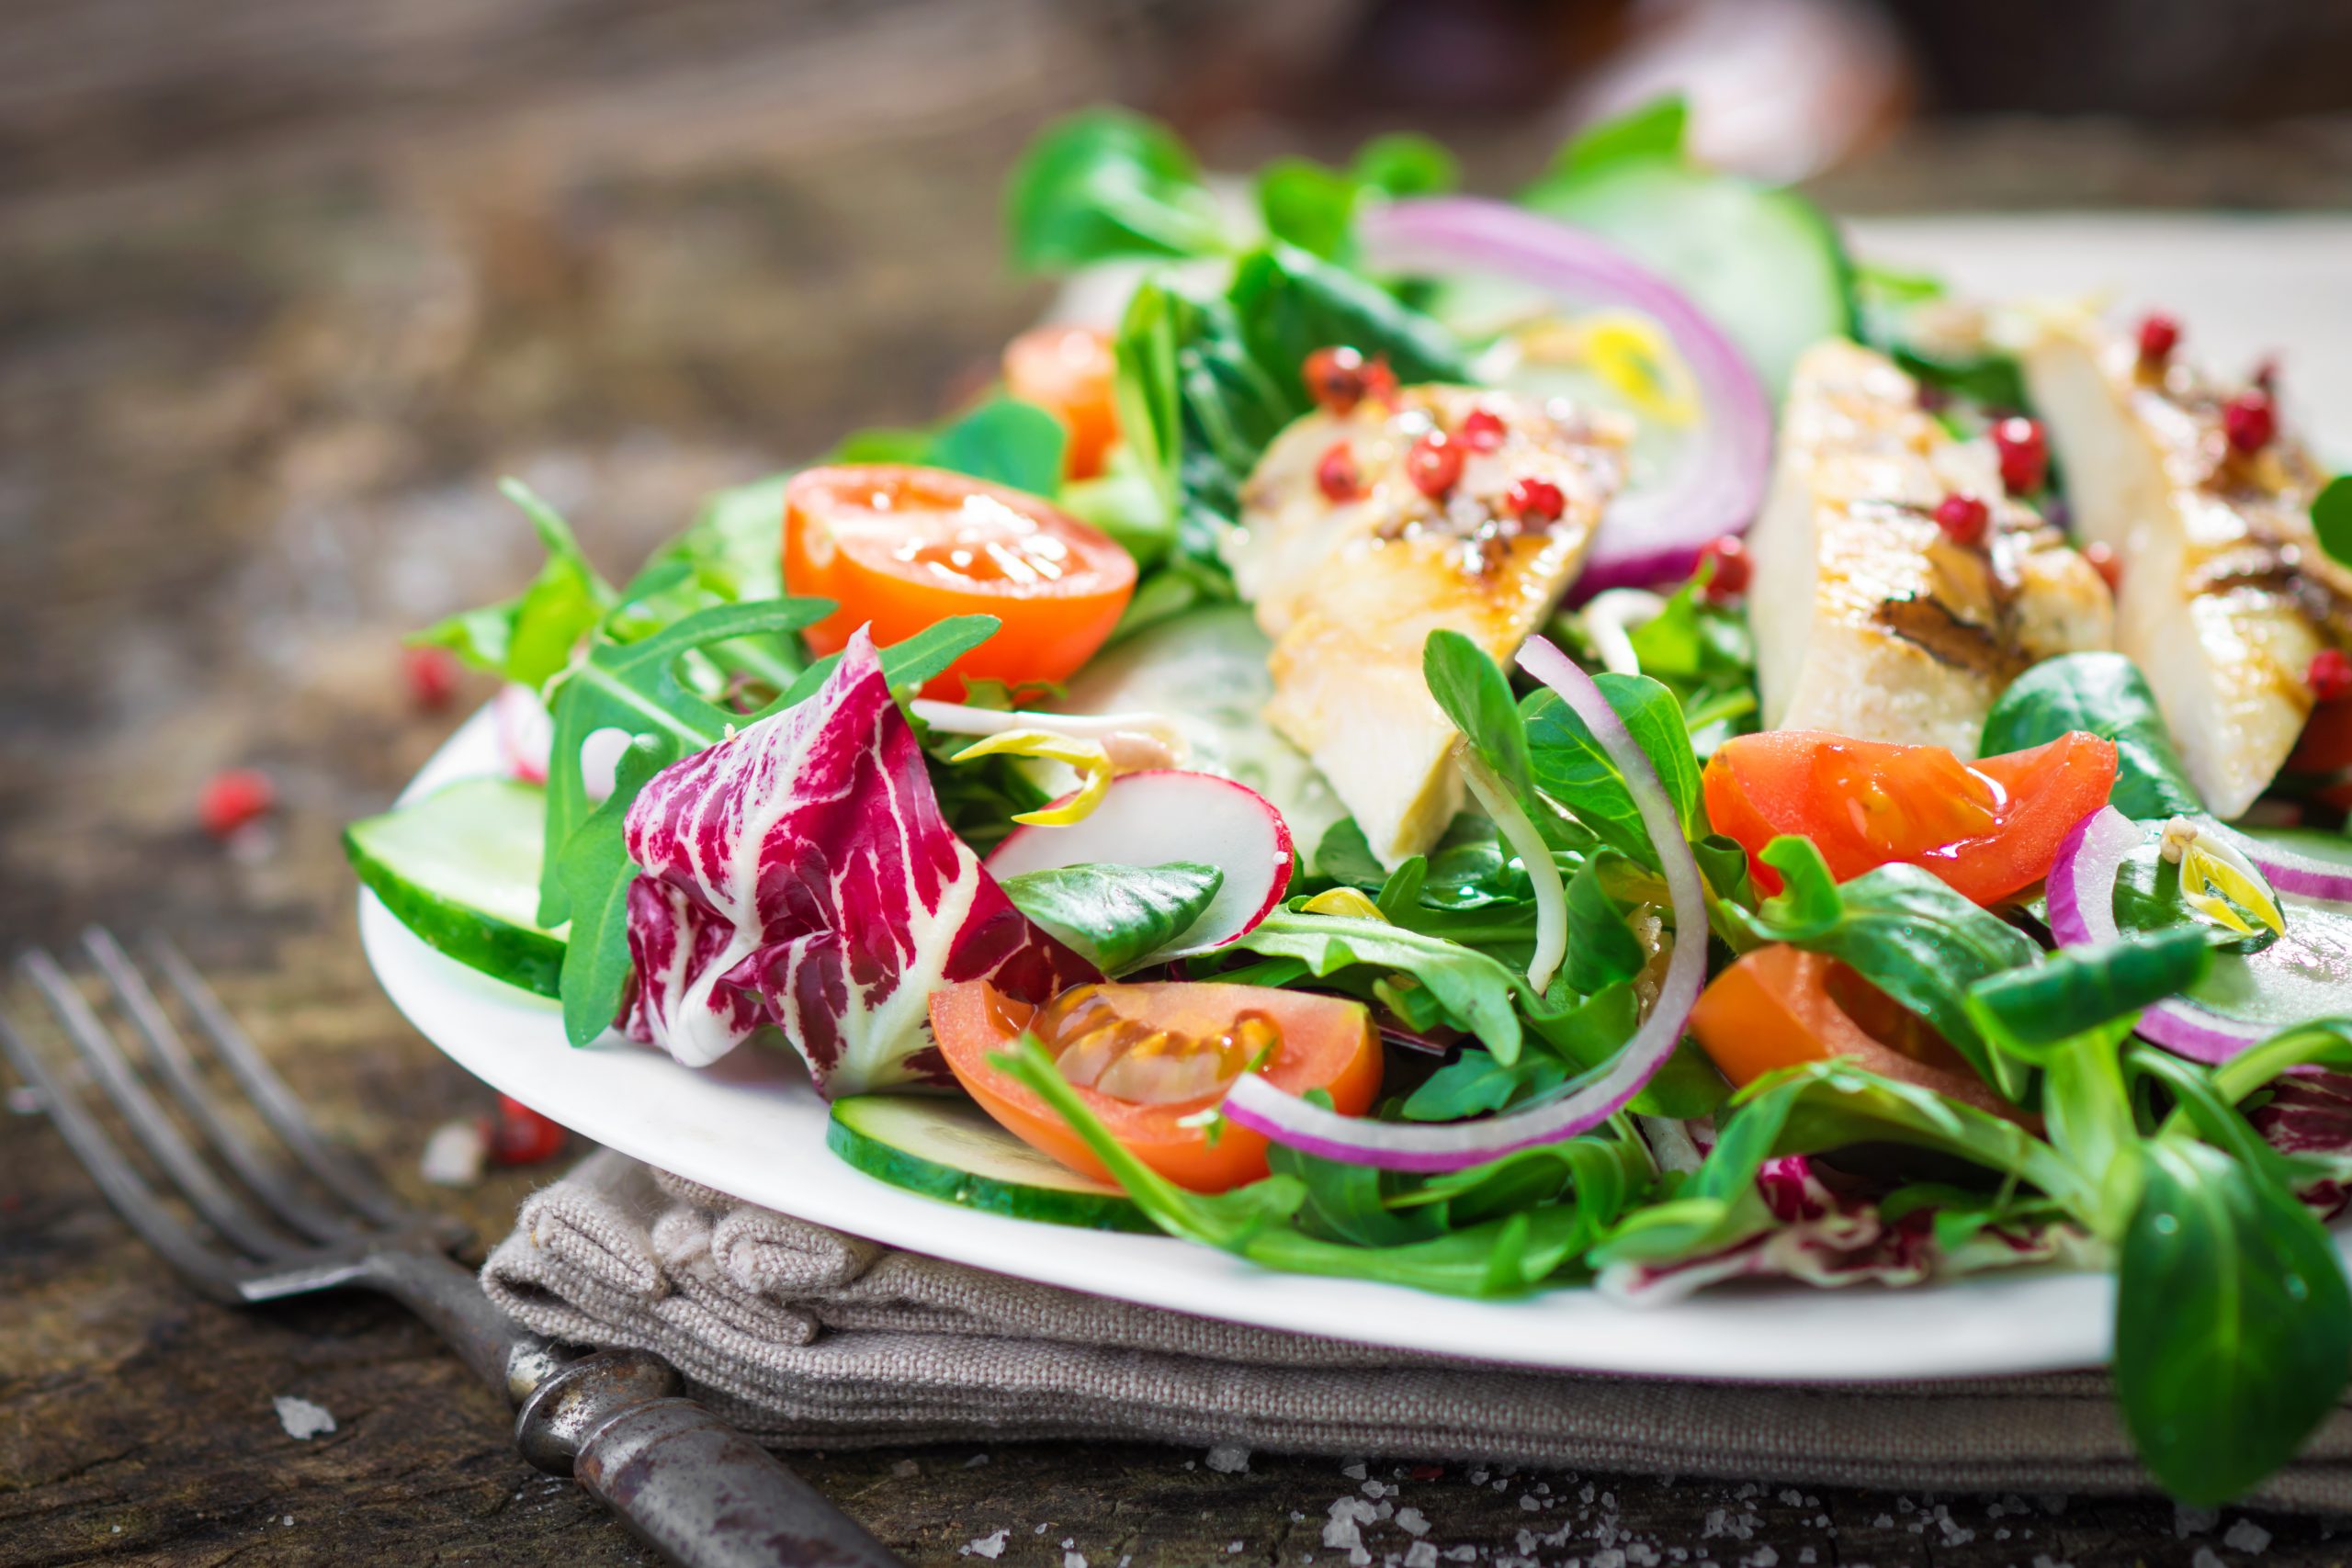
(276,306)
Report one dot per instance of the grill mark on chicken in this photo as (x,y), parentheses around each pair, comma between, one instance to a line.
(1935,628)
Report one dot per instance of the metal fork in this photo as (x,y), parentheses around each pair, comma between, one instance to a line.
(694,1488)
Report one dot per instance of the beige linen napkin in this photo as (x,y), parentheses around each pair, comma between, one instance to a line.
(808,1337)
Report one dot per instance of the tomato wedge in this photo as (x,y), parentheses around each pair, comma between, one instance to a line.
(1781,1006)
(1988,827)
(1148,1059)
(898,547)
(1070,373)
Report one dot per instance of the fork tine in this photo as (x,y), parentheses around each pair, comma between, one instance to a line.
(349,1180)
(171,1053)
(115,1177)
(153,1129)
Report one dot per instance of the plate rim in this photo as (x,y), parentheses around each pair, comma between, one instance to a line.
(2036,1320)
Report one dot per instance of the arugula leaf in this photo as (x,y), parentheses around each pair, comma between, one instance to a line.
(597,876)
(634,687)
(2332,518)
(1474,990)
(907,663)
(2233,1327)
(1006,441)
(1116,916)
(529,638)
(1569,765)
(1500,1257)
(1107,183)
(1474,695)
(1902,929)
(2106,694)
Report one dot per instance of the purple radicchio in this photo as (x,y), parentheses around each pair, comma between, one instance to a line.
(2308,1113)
(800,873)
(1823,1235)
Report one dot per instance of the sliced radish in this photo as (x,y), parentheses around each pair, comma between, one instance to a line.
(1169,814)
(525,733)
(527,740)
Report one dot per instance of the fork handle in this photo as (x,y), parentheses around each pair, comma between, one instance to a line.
(689,1485)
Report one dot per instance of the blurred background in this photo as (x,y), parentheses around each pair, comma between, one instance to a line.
(285,283)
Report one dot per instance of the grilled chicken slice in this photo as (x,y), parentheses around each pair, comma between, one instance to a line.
(2224,596)
(1350,588)
(1869,620)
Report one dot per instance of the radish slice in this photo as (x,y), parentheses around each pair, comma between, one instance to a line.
(525,733)
(2082,910)
(1168,814)
(1586,1103)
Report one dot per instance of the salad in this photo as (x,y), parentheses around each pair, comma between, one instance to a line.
(1593,740)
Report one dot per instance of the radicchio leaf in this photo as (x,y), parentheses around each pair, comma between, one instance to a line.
(1823,1236)
(799,872)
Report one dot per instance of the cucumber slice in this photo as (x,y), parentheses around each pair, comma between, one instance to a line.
(1764,263)
(949,1148)
(460,868)
(1207,671)
(2279,982)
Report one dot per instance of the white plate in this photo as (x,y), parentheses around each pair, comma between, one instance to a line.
(753,1125)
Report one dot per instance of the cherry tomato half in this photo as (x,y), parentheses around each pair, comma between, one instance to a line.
(898,547)
(1148,1059)
(1988,827)
(1070,373)
(1781,1006)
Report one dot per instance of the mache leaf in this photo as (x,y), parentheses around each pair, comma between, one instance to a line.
(1903,928)
(2233,1327)
(1108,183)
(529,638)
(1474,990)
(2106,694)
(1115,916)
(1570,766)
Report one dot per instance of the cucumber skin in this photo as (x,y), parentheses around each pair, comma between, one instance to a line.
(885,1163)
(531,960)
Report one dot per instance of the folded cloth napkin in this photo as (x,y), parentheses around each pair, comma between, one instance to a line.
(808,1337)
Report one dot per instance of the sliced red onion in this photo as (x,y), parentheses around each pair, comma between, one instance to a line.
(1456,1145)
(2082,910)
(2329,881)
(1651,535)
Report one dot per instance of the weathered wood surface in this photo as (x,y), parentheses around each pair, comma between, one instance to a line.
(279,300)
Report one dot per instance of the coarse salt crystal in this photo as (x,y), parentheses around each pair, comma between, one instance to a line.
(2247,1537)
(303,1419)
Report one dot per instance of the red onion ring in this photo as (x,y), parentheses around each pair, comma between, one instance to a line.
(1454,1145)
(2082,910)
(1649,536)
